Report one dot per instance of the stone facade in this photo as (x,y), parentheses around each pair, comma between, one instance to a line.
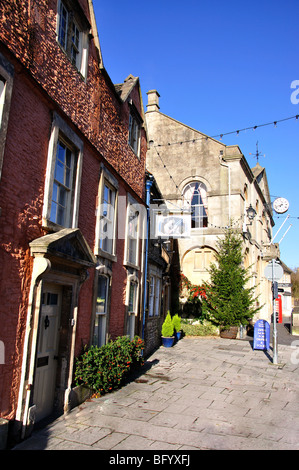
(198,173)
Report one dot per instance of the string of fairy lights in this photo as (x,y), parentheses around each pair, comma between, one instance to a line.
(220,136)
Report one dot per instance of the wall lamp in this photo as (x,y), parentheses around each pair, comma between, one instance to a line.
(251,213)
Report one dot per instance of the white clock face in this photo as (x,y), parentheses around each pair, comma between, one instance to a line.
(280,205)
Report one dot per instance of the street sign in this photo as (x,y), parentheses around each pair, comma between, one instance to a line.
(261,335)
(273,271)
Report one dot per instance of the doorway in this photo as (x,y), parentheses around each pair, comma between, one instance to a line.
(47,350)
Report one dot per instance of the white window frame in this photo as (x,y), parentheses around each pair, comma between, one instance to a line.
(101,317)
(132,206)
(60,130)
(151,298)
(157,295)
(2,96)
(155,291)
(133,312)
(81,62)
(106,180)
(7,76)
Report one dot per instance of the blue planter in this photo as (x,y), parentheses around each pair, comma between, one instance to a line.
(167,342)
(178,335)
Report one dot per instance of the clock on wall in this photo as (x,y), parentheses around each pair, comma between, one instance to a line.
(280,205)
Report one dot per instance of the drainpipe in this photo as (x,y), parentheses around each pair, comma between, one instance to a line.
(228,167)
(148,185)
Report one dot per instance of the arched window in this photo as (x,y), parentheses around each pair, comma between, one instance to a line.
(195,197)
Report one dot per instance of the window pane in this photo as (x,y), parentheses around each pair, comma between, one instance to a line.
(102,294)
(62,185)
(59,172)
(106,222)
(55,192)
(2,95)
(53,212)
(62,25)
(60,215)
(62,196)
(132,296)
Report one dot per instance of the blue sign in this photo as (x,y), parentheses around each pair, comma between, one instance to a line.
(261,339)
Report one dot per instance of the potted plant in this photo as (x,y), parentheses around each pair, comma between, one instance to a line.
(167,331)
(176,320)
(229,300)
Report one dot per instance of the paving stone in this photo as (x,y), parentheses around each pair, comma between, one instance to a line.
(205,393)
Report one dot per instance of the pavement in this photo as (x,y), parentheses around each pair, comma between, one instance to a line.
(204,393)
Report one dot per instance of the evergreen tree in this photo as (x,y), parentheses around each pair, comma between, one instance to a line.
(229,301)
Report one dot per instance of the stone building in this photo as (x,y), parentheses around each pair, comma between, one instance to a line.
(72,166)
(214,183)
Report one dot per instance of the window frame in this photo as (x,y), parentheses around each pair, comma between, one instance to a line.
(197,213)
(7,76)
(73,18)
(101,318)
(60,130)
(132,279)
(108,180)
(62,186)
(134,131)
(132,206)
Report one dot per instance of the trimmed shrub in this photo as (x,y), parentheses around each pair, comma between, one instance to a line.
(176,320)
(167,327)
(103,369)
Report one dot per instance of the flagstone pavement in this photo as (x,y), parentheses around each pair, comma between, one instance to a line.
(203,393)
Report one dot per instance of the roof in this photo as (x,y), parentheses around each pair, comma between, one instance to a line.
(124,89)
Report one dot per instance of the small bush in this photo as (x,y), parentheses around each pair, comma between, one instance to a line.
(176,320)
(167,327)
(103,369)
(199,328)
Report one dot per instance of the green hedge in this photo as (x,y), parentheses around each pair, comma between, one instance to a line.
(204,328)
(103,369)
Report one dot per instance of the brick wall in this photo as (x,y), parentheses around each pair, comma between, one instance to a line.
(44,82)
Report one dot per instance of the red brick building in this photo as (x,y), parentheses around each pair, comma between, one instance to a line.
(72,179)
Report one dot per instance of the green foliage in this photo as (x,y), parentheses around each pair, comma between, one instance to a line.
(176,320)
(104,368)
(199,328)
(228,300)
(195,306)
(167,327)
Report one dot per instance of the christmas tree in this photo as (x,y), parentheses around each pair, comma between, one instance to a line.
(229,300)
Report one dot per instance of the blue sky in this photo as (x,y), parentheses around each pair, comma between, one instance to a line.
(219,66)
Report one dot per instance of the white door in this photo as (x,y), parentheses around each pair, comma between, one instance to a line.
(47,349)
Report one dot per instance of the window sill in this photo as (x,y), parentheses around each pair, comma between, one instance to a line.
(131,265)
(104,254)
(52,226)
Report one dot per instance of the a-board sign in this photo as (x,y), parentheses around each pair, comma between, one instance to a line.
(261,338)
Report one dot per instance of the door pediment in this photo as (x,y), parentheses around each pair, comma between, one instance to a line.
(67,244)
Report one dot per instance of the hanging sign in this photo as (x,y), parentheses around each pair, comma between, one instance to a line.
(261,339)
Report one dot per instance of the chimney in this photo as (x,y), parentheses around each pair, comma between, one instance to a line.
(153,101)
